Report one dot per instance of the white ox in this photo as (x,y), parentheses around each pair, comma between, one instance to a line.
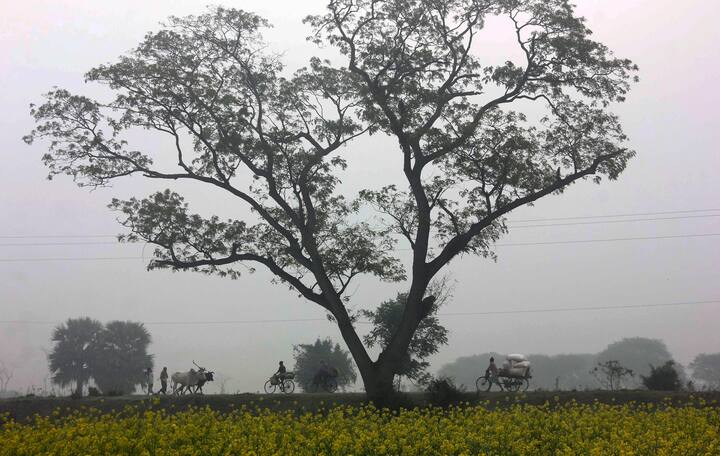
(186,380)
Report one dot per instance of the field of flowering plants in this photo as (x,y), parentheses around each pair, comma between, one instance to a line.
(570,428)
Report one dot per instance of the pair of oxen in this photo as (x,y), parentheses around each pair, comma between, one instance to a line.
(191,381)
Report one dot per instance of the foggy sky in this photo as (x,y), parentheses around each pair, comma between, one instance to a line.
(670,117)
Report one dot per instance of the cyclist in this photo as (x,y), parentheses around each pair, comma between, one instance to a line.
(492,373)
(280,374)
(323,373)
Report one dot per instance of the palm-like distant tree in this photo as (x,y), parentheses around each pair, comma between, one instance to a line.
(122,347)
(74,353)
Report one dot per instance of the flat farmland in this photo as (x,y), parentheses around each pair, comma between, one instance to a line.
(595,423)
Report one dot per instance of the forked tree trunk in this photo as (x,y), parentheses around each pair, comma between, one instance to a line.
(379,385)
(378,375)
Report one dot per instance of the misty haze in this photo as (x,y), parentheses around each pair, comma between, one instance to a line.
(424,202)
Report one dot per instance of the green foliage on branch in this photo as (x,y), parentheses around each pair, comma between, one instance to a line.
(426,341)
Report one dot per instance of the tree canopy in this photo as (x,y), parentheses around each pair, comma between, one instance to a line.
(114,355)
(706,368)
(663,378)
(636,354)
(74,354)
(122,348)
(475,140)
(308,358)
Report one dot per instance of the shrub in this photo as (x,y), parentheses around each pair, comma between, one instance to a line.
(443,392)
(663,378)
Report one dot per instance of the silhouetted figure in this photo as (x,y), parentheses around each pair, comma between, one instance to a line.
(492,372)
(323,373)
(149,379)
(492,368)
(163,381)
(281,370)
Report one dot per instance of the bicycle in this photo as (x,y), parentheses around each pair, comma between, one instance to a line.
(283,383)
(328,383)
(505,382)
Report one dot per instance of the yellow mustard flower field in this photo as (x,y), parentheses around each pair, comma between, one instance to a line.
(594,429)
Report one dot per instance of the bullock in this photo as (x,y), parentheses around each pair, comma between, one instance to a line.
(209,377)
(188,380)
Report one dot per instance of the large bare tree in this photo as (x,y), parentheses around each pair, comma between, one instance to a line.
(411,70)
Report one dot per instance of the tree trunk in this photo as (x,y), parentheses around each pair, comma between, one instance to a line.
(377,376)
(79,388)
(379,384)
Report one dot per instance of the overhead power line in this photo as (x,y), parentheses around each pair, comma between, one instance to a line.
(575,309)
(18,260)
(636,214)
(51,236)
(615,221)
(49,244)
(580,241)
(631,214)
(58,243)
(450,314)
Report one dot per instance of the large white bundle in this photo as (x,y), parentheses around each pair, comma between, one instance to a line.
(517,372)
(522,364)
(516,357)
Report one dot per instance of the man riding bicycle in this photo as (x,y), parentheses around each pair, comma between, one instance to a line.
(281,379)
(492,373)
(279,376)
(325,377)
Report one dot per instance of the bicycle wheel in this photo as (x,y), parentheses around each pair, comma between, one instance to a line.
(513,385)
(331,385)
(289,386)
(269,387)
(483,384)
(526,384)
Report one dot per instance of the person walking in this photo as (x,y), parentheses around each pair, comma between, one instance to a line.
(163,381)
(149,379)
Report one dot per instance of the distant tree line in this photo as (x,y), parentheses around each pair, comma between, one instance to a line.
(648,360)
(113,355)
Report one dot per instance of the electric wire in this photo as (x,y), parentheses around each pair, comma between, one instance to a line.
(613,221)
(631,214)
(444,314)
(80,236)
(515,244)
